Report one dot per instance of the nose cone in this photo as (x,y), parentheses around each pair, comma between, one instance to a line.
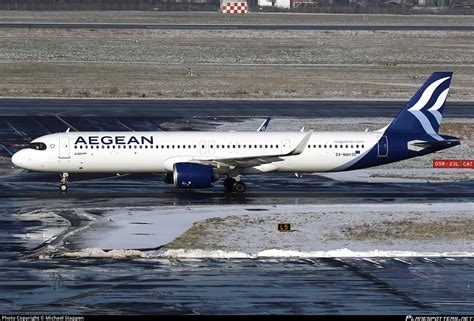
(19,159)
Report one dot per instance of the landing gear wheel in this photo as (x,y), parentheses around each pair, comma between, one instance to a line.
(229,184)
(239,187)
(63,182)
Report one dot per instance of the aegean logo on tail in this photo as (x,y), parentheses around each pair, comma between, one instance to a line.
(423,105)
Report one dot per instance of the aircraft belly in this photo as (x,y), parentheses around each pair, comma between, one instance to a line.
(113,163)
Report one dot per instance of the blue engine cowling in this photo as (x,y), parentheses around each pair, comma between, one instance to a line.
(192,175)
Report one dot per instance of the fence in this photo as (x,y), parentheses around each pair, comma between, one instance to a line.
(456,8)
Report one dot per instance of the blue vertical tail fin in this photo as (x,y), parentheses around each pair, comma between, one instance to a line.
(424,111)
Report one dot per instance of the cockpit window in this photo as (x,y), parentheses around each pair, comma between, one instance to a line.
(38,146)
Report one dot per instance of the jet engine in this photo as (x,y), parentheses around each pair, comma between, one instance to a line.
(192,175)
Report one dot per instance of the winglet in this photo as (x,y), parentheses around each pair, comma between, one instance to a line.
(302,145)
(264,125)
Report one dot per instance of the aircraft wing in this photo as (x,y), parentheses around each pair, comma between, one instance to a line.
(256,160)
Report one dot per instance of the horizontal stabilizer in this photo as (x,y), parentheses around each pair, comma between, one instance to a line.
(447,142)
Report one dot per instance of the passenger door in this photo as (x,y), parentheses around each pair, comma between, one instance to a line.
(383,147)
(64,148)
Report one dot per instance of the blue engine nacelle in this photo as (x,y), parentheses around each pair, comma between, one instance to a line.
(192,175)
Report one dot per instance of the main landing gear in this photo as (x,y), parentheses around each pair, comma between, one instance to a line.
(234,186)
(64,181)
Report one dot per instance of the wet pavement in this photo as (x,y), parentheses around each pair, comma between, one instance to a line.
(34,285)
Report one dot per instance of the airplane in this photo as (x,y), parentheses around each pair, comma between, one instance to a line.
(198,159)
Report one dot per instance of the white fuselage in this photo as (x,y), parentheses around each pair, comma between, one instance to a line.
(128,152)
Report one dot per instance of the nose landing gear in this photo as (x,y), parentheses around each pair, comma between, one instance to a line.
(231,185)
(64,182)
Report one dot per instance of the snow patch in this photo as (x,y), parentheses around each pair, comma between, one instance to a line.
(340,253)
(274,253)
(203,254)
(99,253)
